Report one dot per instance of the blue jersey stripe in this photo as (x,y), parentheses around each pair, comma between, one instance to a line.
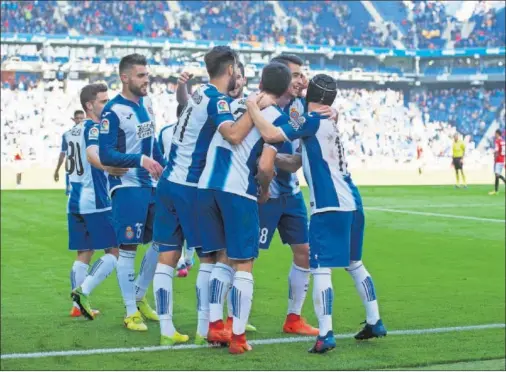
(75,197)
(221,168)
(100,187)
(200,153)
(354,191)
(252,161)
(324,191)
(170,163)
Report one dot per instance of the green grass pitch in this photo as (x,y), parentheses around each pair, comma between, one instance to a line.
(430,271)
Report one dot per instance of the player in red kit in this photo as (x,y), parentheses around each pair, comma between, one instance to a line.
(499,157)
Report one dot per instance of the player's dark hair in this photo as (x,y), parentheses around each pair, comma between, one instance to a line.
(127,62)
(179,110)
(322,89)
(218,59)
(89,93)
(78,112)
(288,58)
(276,78)
(498,131)
(241,67)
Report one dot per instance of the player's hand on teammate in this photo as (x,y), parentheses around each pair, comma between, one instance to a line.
(116,172)
(184,78)
(328,111)
(152,166)
(56,177)
(263,196)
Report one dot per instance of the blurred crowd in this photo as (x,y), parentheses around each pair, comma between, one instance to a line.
(378,127)
(346,23)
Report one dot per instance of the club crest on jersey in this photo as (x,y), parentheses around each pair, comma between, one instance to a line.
(145,130)
(104,126)
(196,97)
(93,134)
(294,114)
(129,233)
(223,106)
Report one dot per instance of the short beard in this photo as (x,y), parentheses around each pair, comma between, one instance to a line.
(231,84)
(137,91)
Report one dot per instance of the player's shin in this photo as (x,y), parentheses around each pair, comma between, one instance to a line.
(219,282)
(78,275)
(146,272)
(125,270)
(366,290)
(162,287)
(100,270)
(496,184)
(323,298)
(202,290)
(298,282)
(242,298)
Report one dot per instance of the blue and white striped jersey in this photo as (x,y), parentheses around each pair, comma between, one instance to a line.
(89,185)
(232,168)
(165,140)
(127,132)
(206,110)
(286,183)
(64,143)
(324,164)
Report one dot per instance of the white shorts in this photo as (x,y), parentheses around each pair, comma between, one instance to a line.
(498,168)
(20,166)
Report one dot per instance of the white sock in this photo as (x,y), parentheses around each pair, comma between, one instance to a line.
(230,311)
(125,271)
(147,271)
(323,297)
(219,284)
(188,255)
(100,270)
(242,298)
(298,282)
(180,263)
(77,275)
(162,287)
(203,298)
(366,291)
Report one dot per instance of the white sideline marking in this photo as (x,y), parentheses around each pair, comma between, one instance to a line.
(269,341)
(435,214)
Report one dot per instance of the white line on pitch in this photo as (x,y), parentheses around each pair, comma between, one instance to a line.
(269,341)
(435,214)
(495,205)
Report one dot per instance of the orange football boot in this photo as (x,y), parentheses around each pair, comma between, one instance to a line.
(296,324)
(239,345)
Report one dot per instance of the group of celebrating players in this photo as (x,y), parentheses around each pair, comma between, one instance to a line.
(223,183)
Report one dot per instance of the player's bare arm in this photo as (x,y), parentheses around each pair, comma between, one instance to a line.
(94,160)
(235,133)
(182,91)
(268,131)
(289,163)
(265,172)
(61,159)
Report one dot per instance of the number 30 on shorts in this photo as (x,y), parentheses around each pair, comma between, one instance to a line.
(263,235)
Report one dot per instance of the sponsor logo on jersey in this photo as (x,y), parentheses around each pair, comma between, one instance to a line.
(197,97)
(145,130)
(93,133)
(129,116)
(129,233)
(223,106)
(150,110)
(75,131)
(104,126)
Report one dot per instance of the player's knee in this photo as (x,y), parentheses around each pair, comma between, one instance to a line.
(169,258)
(354,265)
(301,255)
(113,251)
(209,259)
(221,256)
(242,265)
(85,256)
